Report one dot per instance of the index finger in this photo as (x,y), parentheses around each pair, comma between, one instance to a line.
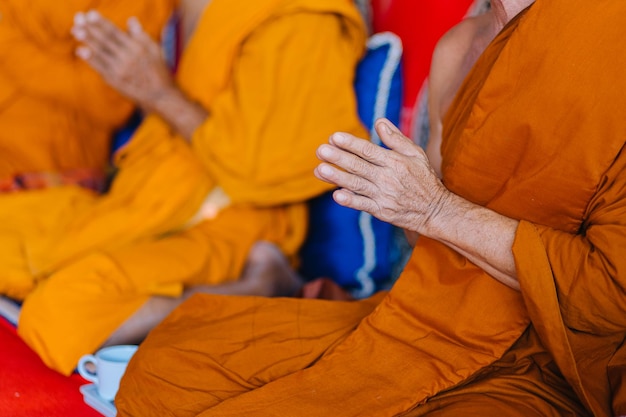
(102,32)
(362,148)
(394,139)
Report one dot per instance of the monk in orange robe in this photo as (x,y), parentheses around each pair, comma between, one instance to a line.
(224,160)
(512,303)
(57,117)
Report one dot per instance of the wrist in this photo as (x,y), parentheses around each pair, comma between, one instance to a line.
(160,100)
(440,215)
(177,110)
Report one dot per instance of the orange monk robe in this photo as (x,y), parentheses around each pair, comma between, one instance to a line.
(537,134)
(277,80)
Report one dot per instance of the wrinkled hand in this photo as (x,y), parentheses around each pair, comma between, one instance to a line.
(131,62)
(396,185)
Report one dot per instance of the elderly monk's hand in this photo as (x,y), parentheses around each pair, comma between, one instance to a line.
(131,62)
(396,185)
(399,186)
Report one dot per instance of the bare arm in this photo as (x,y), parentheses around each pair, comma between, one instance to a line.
(399,186)
(453,57)
(443,82)
(131,62)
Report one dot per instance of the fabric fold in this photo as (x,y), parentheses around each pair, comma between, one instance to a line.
(149,235)
(534,135)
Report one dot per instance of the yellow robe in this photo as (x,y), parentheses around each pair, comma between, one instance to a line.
(277,80)
(56,113)
(537,134)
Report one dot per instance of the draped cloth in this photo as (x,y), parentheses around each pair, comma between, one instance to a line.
(56,113)
(57,117)
(276,78)
(535,133)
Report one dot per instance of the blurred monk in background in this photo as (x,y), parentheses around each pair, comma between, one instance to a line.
(224,159)
(57,115)
(513,301)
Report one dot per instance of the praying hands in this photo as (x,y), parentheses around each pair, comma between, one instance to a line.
(132,63)
(399,186)
(396,185)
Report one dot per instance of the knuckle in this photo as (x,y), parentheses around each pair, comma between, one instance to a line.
(368,150)
(356,184)
(363,186)
(384,211)
(119,72)
(355,165)
(137,48)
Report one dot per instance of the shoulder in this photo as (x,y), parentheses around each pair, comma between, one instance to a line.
(459,39)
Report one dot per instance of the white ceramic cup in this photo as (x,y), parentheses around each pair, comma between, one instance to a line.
(110,364)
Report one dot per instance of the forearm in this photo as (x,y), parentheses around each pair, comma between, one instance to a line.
(175,108)
(482,235)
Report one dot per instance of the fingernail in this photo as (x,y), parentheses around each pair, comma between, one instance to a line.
(340,197)
(325,151)
(83,52)
(133,25)
(326,170)
(339,137)
(79,34)
(93,16)
(79,19)
(386,128)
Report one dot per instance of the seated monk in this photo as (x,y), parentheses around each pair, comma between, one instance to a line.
(57,117)
(224,159)
(513,300)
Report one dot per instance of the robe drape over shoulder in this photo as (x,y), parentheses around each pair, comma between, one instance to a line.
(277,79)
(536,133)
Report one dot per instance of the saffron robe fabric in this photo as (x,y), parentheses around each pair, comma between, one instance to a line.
(536,133)
(277,79)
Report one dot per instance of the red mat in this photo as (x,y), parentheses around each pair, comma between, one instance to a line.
(30,389)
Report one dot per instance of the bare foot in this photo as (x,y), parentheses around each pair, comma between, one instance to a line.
(269,272)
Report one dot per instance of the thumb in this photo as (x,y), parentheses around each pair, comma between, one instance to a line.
(394,139)
(136,32)
(134,27)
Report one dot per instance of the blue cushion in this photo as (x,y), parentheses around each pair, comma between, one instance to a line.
(378,82)
(123,135)
(353,248)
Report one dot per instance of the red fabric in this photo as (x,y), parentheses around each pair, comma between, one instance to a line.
(30,389)
(419,24)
